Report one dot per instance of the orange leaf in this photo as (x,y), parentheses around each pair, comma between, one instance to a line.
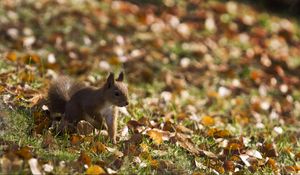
(207,121)
(98,147)
(255,75)
(154,163)
(272,163)
(12,56)
(95,169)
(25,153)
(297,156)
(229,165)
(156,136)
(75,139)
(85,159)
(217,133)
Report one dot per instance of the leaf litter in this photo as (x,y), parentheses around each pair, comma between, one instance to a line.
(224,72)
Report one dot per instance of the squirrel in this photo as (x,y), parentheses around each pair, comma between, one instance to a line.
(76,102)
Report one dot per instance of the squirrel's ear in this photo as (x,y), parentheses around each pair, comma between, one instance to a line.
(110,80)
(121,77)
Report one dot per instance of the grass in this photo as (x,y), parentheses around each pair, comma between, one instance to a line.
(236,113)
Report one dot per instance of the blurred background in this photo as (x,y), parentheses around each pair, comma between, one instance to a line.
(210,69)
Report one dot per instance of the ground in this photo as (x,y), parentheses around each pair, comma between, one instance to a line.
(213,86)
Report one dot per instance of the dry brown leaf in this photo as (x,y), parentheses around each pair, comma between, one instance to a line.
(115,151)
(35,99)
(131,149)
(269,150)
(229,166)
(84,128)
(234,146)
(182,116)
(183,129)
(48,140)
(186,143)
(208,154)
(292,169)
(168,126)
(134,125)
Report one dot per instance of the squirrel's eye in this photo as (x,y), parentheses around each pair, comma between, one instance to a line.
(117,94)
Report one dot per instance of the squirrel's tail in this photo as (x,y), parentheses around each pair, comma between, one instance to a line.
(60,92)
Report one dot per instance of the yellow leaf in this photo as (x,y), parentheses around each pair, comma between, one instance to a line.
(156,136)
(144,147)
(95,169)
(12,56)
(207,121)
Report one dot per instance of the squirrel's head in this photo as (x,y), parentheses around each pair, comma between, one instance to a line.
(116,91)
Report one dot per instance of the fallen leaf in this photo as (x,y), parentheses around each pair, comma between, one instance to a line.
(254,153)
(98,147)
(154,164)
(208,154)
(48,140)
(234,146)
(244,158)
(229,166)
(217,133)
(186,143)
(269,150)
(94,170)
(156,136)
(25,153)
(75,139)
(115,151)
(48,167)
(272,163)
(200,165)
(84,128)
(292,169)
(207,121)
(12,56)
(33,163)
(85,159)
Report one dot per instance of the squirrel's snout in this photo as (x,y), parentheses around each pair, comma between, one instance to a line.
(124,103)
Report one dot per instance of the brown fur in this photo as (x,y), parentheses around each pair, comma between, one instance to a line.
(92,104)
